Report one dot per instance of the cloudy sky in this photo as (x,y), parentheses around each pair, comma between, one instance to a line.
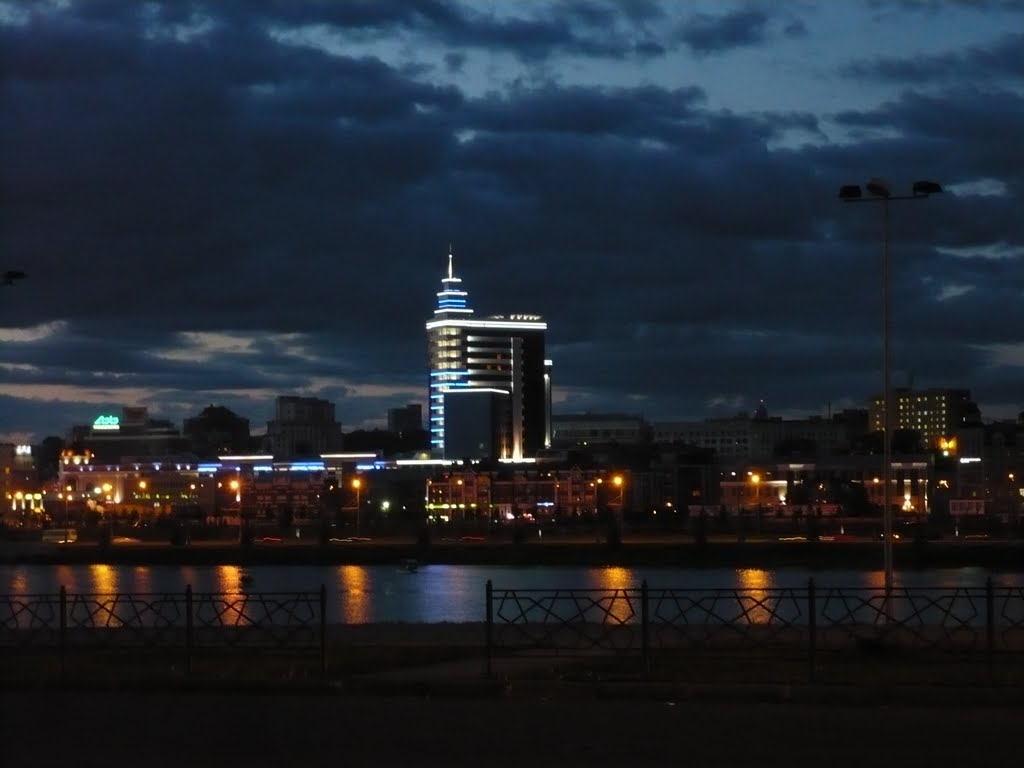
(224,201)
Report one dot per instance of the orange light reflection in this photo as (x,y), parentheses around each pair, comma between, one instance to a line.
(105,578)
(754,584)
(875,580)
(355,597)
(142,579)
(618,604)
(66,577)
(229,578)
(613,577)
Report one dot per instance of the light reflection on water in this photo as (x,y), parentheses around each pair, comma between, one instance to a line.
(66,575)
(354,586)
(612,577)
(439,593)
(876,579)
(758,582)
(142,577)
(105,579)
(228,578)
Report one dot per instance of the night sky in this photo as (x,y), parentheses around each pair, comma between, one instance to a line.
(221,202)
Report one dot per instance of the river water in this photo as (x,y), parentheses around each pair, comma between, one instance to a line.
(443,593)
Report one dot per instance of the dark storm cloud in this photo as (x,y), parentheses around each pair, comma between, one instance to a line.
(1002,59)
(230,183)
(937,6)
(602,29)
(956,136)
(208,137)
(578,28)
(360,14)
(632,192)
(706,34)
(454,61)
(61,54)
(794,28)
(631,113)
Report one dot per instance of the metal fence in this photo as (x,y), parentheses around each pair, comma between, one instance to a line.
(190,621)
(985,623)
(808,625)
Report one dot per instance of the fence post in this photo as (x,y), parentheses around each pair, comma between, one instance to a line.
(188,629)
(63,629)
(488,628)
(990,628)
(323,629)
(645,627)
(812,632)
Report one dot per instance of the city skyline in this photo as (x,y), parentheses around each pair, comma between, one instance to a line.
(223,203)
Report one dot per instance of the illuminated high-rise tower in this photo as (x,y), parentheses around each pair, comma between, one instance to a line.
(499,357)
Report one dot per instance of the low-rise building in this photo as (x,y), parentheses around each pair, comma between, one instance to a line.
(303,426)
(594,429)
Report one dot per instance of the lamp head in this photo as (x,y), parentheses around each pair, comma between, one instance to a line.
(11,276)
(879,188)
(850,192)
(925,188)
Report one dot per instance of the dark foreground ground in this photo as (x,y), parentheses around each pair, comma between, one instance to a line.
(176,729)
(442,660)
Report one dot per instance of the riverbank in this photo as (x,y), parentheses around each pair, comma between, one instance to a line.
(993,555)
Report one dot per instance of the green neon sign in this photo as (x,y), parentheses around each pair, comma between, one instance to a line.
(106,422)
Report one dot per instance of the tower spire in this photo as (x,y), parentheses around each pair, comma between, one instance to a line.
(451,301)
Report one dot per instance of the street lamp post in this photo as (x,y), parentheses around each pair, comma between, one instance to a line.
(617,481)
(236,486)
(68,499)
(1012,505)
(880,192)
(357,484)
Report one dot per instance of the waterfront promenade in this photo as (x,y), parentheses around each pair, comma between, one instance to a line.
(568,639)
(971,638)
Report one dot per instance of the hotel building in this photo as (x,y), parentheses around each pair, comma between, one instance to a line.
(938,414)
(502,355)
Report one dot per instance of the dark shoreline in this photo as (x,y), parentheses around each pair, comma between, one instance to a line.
(995,556)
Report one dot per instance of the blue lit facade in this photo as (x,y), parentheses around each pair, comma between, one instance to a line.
(447,359)
(502,353)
